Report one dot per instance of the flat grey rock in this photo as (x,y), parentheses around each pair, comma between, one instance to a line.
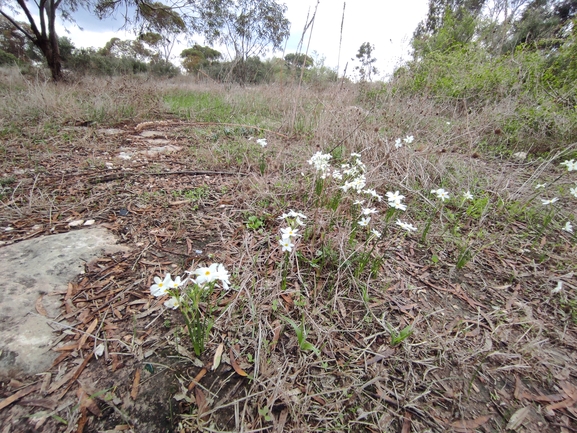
(34,269)
(110,131)
(161,150)
(152,134)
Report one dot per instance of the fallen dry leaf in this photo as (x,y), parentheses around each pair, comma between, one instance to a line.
(40,308)
(89,331)
(201,402)
(235,365)
(518,418)
(217,356)
(277,330)
(561,405)
(18,395)
(406,423)
(135,384)
(569,389)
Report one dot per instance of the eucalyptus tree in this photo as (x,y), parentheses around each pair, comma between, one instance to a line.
(41,17)
(246,28)
(367,67)
(197,57)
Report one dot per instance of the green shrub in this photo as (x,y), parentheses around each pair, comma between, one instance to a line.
(7,59)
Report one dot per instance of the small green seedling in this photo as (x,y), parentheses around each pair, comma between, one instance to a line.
(398,337)
(301,333)
(254,223)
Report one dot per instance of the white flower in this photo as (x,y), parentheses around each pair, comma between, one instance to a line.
(288,232)
(176,283)
(286,244)
(558,288)
(223,276)
(206,275)
(407,226)
(441,193)
(394,196)
(408,139)
(568,227)
(173,302)
(573,191)
(262,142)
(337,174)
(540,185)
(467,195)
(355,155)
(360,164)
(321,162)
(350,171)
(376,233)
(373,193)
(292,214)
(364,221)
(571,165)
(214,272)
(358,183)
(160,287)
(398,143)
(395,199)
(398,205)
(369,211)
(359,202)
(548,202)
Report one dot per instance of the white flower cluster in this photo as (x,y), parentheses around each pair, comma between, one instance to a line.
(441,193)
(354,174)
(354,177)
(356,183)
(373,194)
(407,140)
(444,194)
(320,161)
(289,234)
(406,226)
(204,276)
(395,200)
(570,164)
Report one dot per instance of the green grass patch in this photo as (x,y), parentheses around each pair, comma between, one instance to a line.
(200,106)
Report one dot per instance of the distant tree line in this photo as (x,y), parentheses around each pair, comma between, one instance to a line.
(247,28)
(148,53)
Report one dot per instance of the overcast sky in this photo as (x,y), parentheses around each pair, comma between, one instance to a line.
(387,24)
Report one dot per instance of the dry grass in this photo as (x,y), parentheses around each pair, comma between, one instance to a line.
(487,338)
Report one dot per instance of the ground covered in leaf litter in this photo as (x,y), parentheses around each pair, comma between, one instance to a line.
(489,351)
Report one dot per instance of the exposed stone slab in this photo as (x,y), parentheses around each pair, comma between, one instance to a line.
(159,150)
(35,274)
(127,153)
(152,134)
(110,131)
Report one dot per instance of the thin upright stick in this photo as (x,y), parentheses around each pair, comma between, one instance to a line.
(341,38)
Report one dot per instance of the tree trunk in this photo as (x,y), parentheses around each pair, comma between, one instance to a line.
(46,41)
(51,52)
